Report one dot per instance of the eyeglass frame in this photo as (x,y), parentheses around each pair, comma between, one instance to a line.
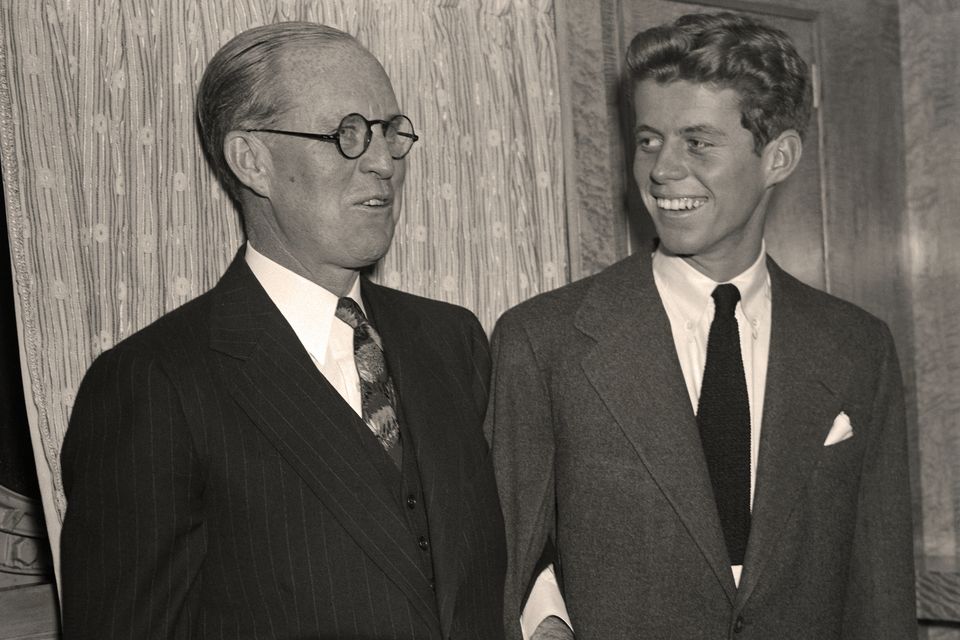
(335,137)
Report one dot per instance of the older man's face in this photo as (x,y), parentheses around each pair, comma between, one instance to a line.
(331,212)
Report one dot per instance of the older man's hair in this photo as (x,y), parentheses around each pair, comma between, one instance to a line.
(240,88)
(730,51)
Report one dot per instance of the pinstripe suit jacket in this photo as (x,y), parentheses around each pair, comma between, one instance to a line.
(217,488)
(595,444)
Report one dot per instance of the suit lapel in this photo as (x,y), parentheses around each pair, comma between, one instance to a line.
(799,407)
(430,409)
(635,370)
(305,419)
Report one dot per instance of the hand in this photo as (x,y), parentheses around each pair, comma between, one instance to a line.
(552,628)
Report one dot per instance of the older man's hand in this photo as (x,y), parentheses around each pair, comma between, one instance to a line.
(553,628)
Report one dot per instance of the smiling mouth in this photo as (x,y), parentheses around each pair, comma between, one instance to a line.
(375,202)
(680,204)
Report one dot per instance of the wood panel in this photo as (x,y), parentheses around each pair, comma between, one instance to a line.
(589,52)
(930,32)
(938,592)
(29,612)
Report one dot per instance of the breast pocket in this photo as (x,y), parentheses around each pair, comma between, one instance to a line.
(842,460)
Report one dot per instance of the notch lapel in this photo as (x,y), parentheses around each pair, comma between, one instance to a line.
(635,370)
(430,410)
(305,419)
(799,408)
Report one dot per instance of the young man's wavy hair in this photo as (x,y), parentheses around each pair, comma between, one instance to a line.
(730,51)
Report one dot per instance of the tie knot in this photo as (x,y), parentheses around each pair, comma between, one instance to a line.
(350,312)
(726,297)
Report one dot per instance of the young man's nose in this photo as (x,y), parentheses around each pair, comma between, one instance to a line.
(668,165)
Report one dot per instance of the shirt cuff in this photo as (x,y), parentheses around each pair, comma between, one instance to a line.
(544,601)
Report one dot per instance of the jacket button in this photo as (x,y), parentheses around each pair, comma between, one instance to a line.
(738,624)
(422,543)
(411,501)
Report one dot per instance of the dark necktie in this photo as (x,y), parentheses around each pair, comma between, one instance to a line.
(376,388)
(723,416)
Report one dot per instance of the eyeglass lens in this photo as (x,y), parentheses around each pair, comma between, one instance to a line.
(354,134)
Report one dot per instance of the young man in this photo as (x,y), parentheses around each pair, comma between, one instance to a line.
(298,452)
(712,448)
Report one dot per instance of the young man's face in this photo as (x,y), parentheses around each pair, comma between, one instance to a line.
(700,178)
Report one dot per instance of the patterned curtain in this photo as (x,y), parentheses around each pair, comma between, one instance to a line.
(114,218)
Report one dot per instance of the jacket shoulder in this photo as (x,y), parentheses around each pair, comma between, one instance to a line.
(186,324)
(563,302)
(829,315)
(420,305)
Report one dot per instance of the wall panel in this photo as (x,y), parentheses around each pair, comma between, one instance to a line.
(930,32)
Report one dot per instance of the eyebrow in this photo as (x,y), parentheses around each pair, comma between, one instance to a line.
(643,128)
(703,128)
(692,129)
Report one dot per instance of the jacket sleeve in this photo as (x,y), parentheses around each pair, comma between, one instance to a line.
(480,356)
(132,540)
(519,428)
(881,602)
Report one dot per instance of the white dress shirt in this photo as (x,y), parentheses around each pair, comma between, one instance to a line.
(311,312)
(686,296)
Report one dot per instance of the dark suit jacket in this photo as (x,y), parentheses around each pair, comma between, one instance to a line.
(217,488)
(595,445)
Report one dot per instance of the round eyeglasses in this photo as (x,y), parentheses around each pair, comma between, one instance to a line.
(355,132)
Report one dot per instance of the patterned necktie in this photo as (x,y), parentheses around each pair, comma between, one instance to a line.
(376,388)
(723,416)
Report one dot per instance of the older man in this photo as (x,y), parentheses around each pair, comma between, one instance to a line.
(297,452)
(715,449)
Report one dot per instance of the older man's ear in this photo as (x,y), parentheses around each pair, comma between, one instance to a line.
(250,160)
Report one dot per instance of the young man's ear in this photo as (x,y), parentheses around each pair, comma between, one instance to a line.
(781,156)
(250,161)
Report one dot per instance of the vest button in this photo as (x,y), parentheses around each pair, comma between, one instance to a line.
(411,501)
(738,624)
(422,543)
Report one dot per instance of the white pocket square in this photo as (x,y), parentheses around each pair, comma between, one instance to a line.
(840,431)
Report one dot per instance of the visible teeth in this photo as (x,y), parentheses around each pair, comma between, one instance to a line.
(679,204)
(375,202)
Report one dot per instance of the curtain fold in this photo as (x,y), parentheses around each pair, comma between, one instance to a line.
(114,217)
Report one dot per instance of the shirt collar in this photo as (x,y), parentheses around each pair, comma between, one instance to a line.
(306,306)
(690,290)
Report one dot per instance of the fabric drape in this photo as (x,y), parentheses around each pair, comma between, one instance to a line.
(115,218)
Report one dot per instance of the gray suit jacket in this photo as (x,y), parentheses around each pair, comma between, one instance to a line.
(595,445)
(218,487)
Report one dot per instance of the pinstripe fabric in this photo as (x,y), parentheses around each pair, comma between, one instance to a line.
(217,489)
